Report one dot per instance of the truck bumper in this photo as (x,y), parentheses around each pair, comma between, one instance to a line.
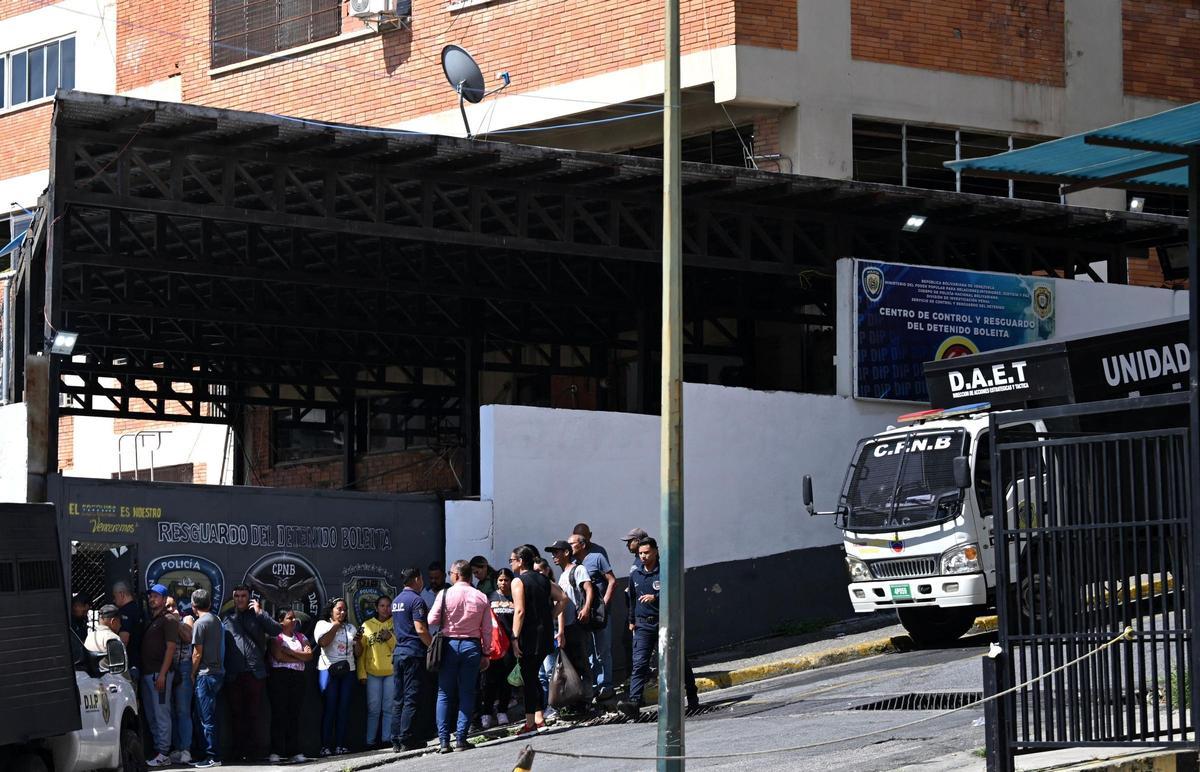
(943,591)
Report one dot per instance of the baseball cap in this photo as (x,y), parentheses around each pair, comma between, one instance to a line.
(161,589)
(635,533)
(559,545)
(108,611)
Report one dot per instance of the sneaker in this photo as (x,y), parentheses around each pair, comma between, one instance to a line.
(501,718)
(341,751)
(485,721)
(605,693)
(550,714)
(463,745)
(274,758)
(206,764)
(181,757)
(445,747)
(299,758)
(397,746)
(628,708)
(161,760)
(326,752)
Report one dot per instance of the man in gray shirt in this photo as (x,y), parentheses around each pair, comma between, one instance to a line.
(208,639)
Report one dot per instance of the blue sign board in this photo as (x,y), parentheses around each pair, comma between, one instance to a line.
(907,315)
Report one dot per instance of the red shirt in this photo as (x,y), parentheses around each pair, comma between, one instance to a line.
(468,613)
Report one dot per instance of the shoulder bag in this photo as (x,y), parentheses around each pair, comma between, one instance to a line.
(437,644)
(598,620)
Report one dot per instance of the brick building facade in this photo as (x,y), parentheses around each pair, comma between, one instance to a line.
(793,83)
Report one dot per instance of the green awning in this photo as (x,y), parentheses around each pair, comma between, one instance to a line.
(1148,152)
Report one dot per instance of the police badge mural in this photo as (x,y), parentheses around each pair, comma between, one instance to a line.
(362,585)
(284,580)
(183,574)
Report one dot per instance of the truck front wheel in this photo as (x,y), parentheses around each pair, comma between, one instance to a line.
(936,626)
(133,759)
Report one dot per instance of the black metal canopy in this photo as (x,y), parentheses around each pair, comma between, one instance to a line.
(212,259)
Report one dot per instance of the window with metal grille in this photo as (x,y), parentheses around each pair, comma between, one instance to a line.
(913,155)
(38,575)
(245,29)
(35,73)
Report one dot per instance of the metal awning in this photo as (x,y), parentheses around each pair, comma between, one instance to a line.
(1150,152)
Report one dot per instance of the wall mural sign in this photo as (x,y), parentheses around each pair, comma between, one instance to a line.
(907,315)
(294,548)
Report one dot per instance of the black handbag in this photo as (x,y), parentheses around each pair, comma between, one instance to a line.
(341,667)
(437,643)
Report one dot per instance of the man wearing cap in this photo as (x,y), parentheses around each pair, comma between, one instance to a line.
(107,630)
(570,633)
(159,642)
(595,560)
(79,615)
(632,539)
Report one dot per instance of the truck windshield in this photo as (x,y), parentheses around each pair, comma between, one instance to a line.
(903,481)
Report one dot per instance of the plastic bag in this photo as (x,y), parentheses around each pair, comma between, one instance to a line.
(566,687)
(514,677)
(498,648)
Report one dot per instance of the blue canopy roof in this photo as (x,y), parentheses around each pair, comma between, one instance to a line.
(1145,152)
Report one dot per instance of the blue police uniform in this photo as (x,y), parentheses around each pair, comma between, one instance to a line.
(408,663)
(643,615)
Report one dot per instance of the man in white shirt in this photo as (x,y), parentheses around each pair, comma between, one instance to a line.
(108,629)
(572,632)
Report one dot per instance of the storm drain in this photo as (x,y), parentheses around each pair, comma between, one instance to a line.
(651,716)
(924,701)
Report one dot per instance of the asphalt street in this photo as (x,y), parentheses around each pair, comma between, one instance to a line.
(786,712)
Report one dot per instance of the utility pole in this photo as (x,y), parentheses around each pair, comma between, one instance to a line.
(670,620)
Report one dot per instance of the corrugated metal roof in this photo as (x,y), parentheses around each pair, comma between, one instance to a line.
(1145,152)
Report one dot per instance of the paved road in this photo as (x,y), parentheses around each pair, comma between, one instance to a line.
(786,712)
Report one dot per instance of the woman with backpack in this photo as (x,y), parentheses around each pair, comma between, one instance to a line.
(340,643)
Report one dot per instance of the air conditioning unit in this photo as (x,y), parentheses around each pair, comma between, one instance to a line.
(380,10)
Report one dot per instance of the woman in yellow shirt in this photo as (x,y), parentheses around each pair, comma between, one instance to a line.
(375,671)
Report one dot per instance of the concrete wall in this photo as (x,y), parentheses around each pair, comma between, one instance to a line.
(745,453)
(14,454)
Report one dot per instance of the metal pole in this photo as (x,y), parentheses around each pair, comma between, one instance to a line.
(670,621)
(1193,257)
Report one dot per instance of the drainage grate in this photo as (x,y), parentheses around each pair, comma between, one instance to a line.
(924,701)
(651,715)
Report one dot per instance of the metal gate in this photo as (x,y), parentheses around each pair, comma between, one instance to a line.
(1092,535)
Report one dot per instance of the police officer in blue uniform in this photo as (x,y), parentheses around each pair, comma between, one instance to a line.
(642,601)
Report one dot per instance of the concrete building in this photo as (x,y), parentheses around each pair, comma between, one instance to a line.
(874,90)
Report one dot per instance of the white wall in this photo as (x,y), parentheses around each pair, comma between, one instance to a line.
(14,453)
(745,453)
(98,452)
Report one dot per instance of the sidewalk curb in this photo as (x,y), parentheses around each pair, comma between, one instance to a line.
(746,675)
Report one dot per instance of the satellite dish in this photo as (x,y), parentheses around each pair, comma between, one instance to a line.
(463,73)
(467,79)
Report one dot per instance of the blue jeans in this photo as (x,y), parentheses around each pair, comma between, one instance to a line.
(181,731)
(337,706)
(207,689)
(544,673)
(600,654)
(381,700)
(456,686)
(157,706)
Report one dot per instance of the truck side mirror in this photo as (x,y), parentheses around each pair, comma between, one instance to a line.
(114,657)
(806,494)
(962,471)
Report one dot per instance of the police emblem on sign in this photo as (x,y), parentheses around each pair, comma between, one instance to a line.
(183,574)
(872,283)
(1043,301)
(362,585)
(284,580)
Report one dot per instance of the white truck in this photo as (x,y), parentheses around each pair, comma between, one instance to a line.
(916,506)
(62,708)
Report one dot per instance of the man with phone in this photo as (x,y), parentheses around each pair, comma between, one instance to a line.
(246,672)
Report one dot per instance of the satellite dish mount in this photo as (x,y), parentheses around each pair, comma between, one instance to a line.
(467,80)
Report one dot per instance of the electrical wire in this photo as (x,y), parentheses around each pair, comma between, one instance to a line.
(1126,634)
(712,73)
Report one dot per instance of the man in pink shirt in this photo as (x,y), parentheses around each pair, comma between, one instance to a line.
(463,613)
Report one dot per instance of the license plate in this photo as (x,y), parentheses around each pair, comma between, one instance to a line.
(901,591)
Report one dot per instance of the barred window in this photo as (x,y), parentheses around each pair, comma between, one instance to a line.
(245,29)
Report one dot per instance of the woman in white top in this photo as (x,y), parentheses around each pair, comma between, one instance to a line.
(340,643)
(290,652)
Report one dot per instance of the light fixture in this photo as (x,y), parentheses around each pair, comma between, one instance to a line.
(64,342)
(1137,204)
(914,223)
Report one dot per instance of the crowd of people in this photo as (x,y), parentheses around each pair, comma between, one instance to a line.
(496,634)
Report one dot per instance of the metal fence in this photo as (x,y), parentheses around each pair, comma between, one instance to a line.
(1092,535)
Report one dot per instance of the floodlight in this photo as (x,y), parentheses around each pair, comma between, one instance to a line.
(914,223)
(64,342)
(467,79)
(1137,204)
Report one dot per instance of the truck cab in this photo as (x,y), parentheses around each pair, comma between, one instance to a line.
(916,514)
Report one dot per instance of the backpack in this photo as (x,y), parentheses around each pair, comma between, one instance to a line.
(599,617)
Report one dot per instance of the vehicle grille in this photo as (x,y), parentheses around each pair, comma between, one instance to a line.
(903,568)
